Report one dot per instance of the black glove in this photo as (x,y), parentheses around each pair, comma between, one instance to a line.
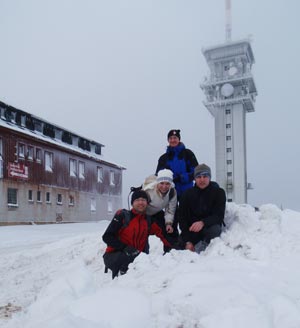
(131,251)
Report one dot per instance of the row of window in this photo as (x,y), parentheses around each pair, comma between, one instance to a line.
(24,120)
(12,199)
(76,168)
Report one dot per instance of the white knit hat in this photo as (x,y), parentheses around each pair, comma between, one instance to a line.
(165,175)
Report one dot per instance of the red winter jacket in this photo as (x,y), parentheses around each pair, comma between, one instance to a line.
(117,235)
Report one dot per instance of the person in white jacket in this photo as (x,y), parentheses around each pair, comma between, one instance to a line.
(162,201)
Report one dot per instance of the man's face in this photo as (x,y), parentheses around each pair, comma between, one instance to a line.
(202,181)
(140,205)
(164,187)
(173,141)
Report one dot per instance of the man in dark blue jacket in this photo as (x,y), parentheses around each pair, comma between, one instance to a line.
(182,162)
(202,210)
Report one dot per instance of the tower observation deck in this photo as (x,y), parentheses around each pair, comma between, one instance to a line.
(230,94)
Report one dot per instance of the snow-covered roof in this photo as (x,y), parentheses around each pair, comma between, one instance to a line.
(34,133)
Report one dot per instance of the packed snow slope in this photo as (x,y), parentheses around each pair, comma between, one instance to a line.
(53,277)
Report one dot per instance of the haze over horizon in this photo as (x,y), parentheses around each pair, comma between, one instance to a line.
(125,73)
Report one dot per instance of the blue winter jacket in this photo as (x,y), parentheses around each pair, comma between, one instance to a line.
(181,161)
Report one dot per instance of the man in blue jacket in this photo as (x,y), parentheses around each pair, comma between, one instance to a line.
(202,210)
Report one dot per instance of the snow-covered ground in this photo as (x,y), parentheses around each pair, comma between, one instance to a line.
(53,276)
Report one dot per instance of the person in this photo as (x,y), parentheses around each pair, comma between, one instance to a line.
(182,162)
(202,210)
(127,235)
(162,202)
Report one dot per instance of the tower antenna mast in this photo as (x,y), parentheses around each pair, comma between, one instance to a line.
(228,20)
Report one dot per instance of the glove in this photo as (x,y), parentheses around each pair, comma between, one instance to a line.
(131,251)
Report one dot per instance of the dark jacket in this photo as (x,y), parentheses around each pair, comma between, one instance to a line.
(118,235)
(207,205)
(181,161)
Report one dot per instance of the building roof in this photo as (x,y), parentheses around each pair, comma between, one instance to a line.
(38,128)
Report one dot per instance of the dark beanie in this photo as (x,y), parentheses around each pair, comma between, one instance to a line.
(175,133)
(139,194)
(202,169)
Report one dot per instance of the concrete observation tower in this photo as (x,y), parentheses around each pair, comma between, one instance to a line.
(230,94)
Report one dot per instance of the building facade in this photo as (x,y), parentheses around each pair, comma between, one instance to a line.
(230,94)
(49,174)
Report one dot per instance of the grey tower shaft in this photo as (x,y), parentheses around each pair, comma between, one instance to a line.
(230,94)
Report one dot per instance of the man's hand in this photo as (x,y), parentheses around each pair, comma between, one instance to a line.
(169,228)
(197,226)
(131,252)
(190,246)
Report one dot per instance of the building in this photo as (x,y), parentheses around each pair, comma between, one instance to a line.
(230,94)
(49,174)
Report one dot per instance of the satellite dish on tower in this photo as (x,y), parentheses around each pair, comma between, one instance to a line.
(227,90)
(232,70)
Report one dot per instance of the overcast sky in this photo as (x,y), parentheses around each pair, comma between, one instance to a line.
(125,72)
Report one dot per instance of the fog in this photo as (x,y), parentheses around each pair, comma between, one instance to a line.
(124,73)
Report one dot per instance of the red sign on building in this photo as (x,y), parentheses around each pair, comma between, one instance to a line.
(17,170)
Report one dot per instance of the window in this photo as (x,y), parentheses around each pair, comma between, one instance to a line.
(93,205)
(30,152)
(48,197)
(228,150)
(71,200)
(229,161)
(1,163)
(81,169)
(48,161)
(73,170)
(228,138)
(39,196)
(12,197)
(30,196)
(227,111)
(109,206)
(228,126)
(38,126)
(21,150)
(229,174)
(100,174)
(112,178)
(38,155)
(59,199)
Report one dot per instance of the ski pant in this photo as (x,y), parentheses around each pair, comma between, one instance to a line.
(203,237)
(117,262)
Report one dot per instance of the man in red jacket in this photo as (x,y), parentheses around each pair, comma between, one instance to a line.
(127,235)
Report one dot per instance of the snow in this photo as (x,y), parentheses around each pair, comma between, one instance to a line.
(53,276)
